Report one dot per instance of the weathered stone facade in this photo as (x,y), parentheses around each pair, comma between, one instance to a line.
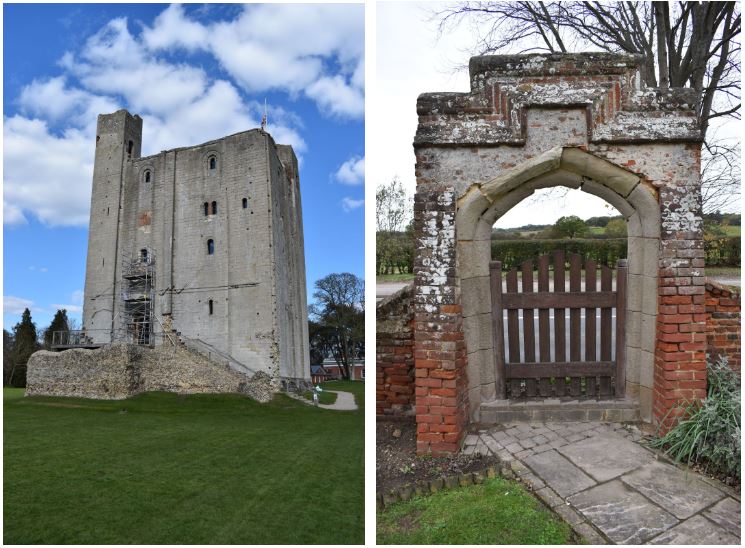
(583,121)
(222,224)
(119,371)
(723,324)
(394,354)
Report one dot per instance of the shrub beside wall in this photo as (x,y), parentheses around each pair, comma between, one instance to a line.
(724,251)
(513,253)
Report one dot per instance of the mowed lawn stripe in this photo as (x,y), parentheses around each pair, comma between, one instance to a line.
(196,469)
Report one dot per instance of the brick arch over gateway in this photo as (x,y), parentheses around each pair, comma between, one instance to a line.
(483,204)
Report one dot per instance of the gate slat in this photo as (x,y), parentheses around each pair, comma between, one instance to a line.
(591,270)
(621,288)
(495,271)
(575,340)
(560,352)
(528,324)
(513,332)
(571,369)
(606,326)
(544,325)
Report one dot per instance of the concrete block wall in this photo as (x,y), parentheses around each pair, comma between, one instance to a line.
(479,152)
(723,323)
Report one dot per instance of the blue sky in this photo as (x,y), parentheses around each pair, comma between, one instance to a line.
(194,73)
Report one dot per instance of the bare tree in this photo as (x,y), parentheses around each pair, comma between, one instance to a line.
(393,208)
(340,316)
(684,44)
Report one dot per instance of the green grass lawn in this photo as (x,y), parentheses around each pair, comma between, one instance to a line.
(327,398)
(383,278)
(496,512)
(200,469)
(729,271)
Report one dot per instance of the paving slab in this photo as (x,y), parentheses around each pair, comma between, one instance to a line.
(622,514)
(606,456)
(560,474)
(726,513)
(697,530)
(680,492)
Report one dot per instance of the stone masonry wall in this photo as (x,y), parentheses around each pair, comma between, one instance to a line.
(247,297)
(723,324)
(120,371)
(394,354)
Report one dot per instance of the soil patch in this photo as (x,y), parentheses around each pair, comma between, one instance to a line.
(397,465)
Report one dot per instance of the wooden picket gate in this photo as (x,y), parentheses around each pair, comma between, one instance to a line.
(600,372)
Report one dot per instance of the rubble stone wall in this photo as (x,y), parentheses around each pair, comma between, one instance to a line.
(120,371)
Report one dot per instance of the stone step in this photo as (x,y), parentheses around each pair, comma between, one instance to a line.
(558,410)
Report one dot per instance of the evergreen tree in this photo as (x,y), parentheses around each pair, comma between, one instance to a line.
(59,323)
(25,344)
(7,356)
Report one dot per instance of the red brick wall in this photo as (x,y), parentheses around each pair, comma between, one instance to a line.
(394,354)
(723,323)
(440,347)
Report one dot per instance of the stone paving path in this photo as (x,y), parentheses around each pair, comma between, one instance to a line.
(609,487)
(344,401)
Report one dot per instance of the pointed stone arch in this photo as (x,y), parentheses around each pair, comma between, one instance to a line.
(481,205)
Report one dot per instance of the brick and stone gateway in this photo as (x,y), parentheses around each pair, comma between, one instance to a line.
(583,121)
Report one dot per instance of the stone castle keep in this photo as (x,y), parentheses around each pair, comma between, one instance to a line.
(199,245)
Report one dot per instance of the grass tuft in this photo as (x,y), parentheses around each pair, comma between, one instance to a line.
(496,512)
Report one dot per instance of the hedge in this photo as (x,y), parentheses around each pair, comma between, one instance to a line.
(513,253)
(724,251)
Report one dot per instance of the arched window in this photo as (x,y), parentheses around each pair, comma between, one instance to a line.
(245,203)
(211,306)
(213,162)
(214,208)
(129,149)
(147,176)
(143,255)
(206,208)
(210,247)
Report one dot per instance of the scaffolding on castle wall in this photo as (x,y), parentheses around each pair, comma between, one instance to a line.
(135,324)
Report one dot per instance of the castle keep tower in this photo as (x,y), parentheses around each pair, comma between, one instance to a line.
(204,243)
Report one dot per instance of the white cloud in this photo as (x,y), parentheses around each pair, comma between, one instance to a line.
(172,29)
(46,175)
(53,100)
(77,296)
(73,308)
(316,49)
(350,204)
(351,172)
(15,305)
(336,96)
(48,172)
